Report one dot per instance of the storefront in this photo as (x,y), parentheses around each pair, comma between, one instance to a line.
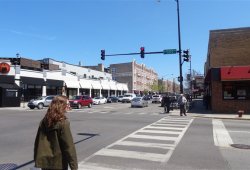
(228,89)
(10,93)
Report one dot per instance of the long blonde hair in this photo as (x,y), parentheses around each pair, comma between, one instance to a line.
(56,111)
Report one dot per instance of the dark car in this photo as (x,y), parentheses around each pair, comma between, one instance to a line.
(80,101)
(112,99)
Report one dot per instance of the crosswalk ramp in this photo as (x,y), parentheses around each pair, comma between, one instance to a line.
(149,147)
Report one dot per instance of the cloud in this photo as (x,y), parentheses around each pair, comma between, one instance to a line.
(38,36)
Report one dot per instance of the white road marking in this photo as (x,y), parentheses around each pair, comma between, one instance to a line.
(156,157)
(221,135)
(235,131)
(144,144)
(163,127)
(159,132)
(132,154)
(152,137)
(93,166)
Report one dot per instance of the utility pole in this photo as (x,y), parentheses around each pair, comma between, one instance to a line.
(180,52)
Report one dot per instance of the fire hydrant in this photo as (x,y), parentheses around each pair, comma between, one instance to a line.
(240,113)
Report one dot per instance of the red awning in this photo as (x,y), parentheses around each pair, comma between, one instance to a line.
(229,73)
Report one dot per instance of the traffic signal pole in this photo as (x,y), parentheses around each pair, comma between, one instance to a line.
(180,52)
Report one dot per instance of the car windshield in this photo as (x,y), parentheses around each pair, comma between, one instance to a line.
(97,98)
(127,95)
(156,96)
(136,99)
(76,98)
(40,98)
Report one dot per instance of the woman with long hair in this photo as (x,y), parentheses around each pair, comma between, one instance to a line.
(54,147)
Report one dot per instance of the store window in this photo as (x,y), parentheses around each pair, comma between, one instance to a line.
(236,90)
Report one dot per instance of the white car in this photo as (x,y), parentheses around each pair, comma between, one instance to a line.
(139,102)
(156,98)
(99,100)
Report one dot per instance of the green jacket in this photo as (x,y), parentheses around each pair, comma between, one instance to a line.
(54,147)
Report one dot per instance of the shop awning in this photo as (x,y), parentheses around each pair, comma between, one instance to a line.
(112,86)
(7,79)
(96,84)
(125,87)
(56,83)
(72,84)
(85,84)
(119,86)
(34,81)
(105,85)
(230,73)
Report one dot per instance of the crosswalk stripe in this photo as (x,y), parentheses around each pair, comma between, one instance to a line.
(169,125)
(153,137)
(146,144)
(221,135)
(160,132)
(156,157)
(93,166)
(164,127)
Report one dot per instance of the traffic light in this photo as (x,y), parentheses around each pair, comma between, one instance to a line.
(186,55)
(142,52)
(103,54)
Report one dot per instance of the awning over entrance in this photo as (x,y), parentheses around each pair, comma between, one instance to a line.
(105,85)
(230,73)
(7,79)
(96,84)
(57,83)
(72,84)
(119,86)
(125,87)
(85,84)
(112,86)
(31,80)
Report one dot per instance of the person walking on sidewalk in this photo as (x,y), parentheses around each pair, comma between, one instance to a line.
(182,101)
(54,147)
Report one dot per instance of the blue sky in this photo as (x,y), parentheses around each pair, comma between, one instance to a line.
(76,30)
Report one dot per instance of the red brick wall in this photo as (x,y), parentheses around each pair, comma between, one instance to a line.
(229,47)
(226,106)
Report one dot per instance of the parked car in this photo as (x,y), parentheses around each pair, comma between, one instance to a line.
(128,97)
(40,102)
(99,100)
(156,98)
(80,101)
(120,98)
(139,102)
(112,99)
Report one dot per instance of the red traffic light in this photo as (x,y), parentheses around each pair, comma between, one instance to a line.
(142,52)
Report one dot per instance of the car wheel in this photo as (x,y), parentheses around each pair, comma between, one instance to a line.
(32,107)
(90,105)
(79,106)
(40,106)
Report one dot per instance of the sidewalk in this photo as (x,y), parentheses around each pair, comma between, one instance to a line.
(198,110)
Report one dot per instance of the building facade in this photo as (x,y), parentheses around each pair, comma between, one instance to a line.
(138,77)
(227,70)
(22,78)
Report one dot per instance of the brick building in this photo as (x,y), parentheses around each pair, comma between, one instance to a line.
(227,70)
(138,77)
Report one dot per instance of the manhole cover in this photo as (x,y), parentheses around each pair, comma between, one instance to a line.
(241,146)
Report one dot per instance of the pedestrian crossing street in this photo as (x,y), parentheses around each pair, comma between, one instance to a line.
(154,143)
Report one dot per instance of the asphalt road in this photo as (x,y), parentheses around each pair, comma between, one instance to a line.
(116,136)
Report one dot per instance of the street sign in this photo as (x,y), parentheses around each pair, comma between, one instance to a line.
(170,51)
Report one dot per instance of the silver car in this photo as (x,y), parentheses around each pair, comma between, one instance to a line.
(139,102)
(40,102)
